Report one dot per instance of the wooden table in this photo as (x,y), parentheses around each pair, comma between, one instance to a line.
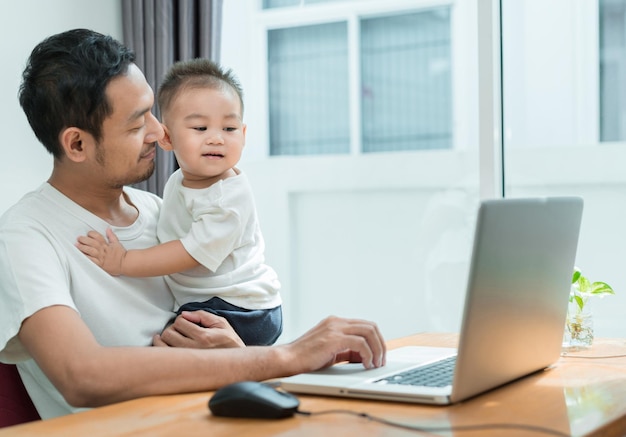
(577,396)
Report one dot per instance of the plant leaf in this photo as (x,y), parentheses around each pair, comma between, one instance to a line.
(579,301)
(584,286)
(600,288)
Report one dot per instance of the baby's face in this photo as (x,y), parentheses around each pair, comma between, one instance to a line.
(207,133)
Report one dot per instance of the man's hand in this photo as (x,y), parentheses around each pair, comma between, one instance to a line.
(200,330)
(336,339)
(107,254)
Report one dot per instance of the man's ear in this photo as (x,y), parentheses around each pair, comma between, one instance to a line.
(165,143)
(72,140)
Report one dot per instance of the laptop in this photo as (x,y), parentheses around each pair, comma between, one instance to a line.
(513,319)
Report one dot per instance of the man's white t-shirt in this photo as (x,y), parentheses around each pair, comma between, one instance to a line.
(40,267)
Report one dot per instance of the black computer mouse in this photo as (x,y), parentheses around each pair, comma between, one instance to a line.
(253,399)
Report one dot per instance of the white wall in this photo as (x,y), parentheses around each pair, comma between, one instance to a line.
(25,163)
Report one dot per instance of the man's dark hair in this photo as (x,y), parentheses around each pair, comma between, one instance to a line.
(196,73)
(64,83)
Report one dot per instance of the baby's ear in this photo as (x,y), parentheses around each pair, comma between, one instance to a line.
(165,143)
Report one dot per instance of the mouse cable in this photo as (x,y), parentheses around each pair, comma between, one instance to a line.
(599,357)
(431,429)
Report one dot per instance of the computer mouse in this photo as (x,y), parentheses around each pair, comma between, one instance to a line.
(253,399)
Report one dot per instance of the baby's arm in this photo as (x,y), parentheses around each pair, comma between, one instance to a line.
(164,259)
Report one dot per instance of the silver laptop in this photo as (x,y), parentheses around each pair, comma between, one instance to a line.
(513,320)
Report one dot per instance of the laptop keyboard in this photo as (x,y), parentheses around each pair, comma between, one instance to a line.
(437,374)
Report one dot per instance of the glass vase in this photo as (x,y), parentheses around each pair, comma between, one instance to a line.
(578,329)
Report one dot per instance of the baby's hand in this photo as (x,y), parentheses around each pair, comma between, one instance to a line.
(108,255)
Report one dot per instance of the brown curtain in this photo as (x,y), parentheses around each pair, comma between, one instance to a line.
(162,32)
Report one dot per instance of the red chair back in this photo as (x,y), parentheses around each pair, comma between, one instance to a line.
(15,404)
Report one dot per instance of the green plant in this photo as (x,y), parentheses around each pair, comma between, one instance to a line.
(582,289)
(579,323)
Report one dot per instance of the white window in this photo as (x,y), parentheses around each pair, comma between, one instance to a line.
(401,71)
(612,70)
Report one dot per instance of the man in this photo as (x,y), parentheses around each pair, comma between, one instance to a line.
(77,333)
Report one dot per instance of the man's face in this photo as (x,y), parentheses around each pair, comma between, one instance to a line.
(125,155)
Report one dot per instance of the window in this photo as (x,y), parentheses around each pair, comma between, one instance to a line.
(402,77)
(269,4)
(406,81)
(308,87)
(564,117)
(612,70)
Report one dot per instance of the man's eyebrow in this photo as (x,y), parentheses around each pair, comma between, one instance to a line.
(137,114)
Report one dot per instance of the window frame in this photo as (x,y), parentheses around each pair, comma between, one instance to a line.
(350,13)
(486,12)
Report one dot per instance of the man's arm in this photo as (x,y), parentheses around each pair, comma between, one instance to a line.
(89,375)
(164,259)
